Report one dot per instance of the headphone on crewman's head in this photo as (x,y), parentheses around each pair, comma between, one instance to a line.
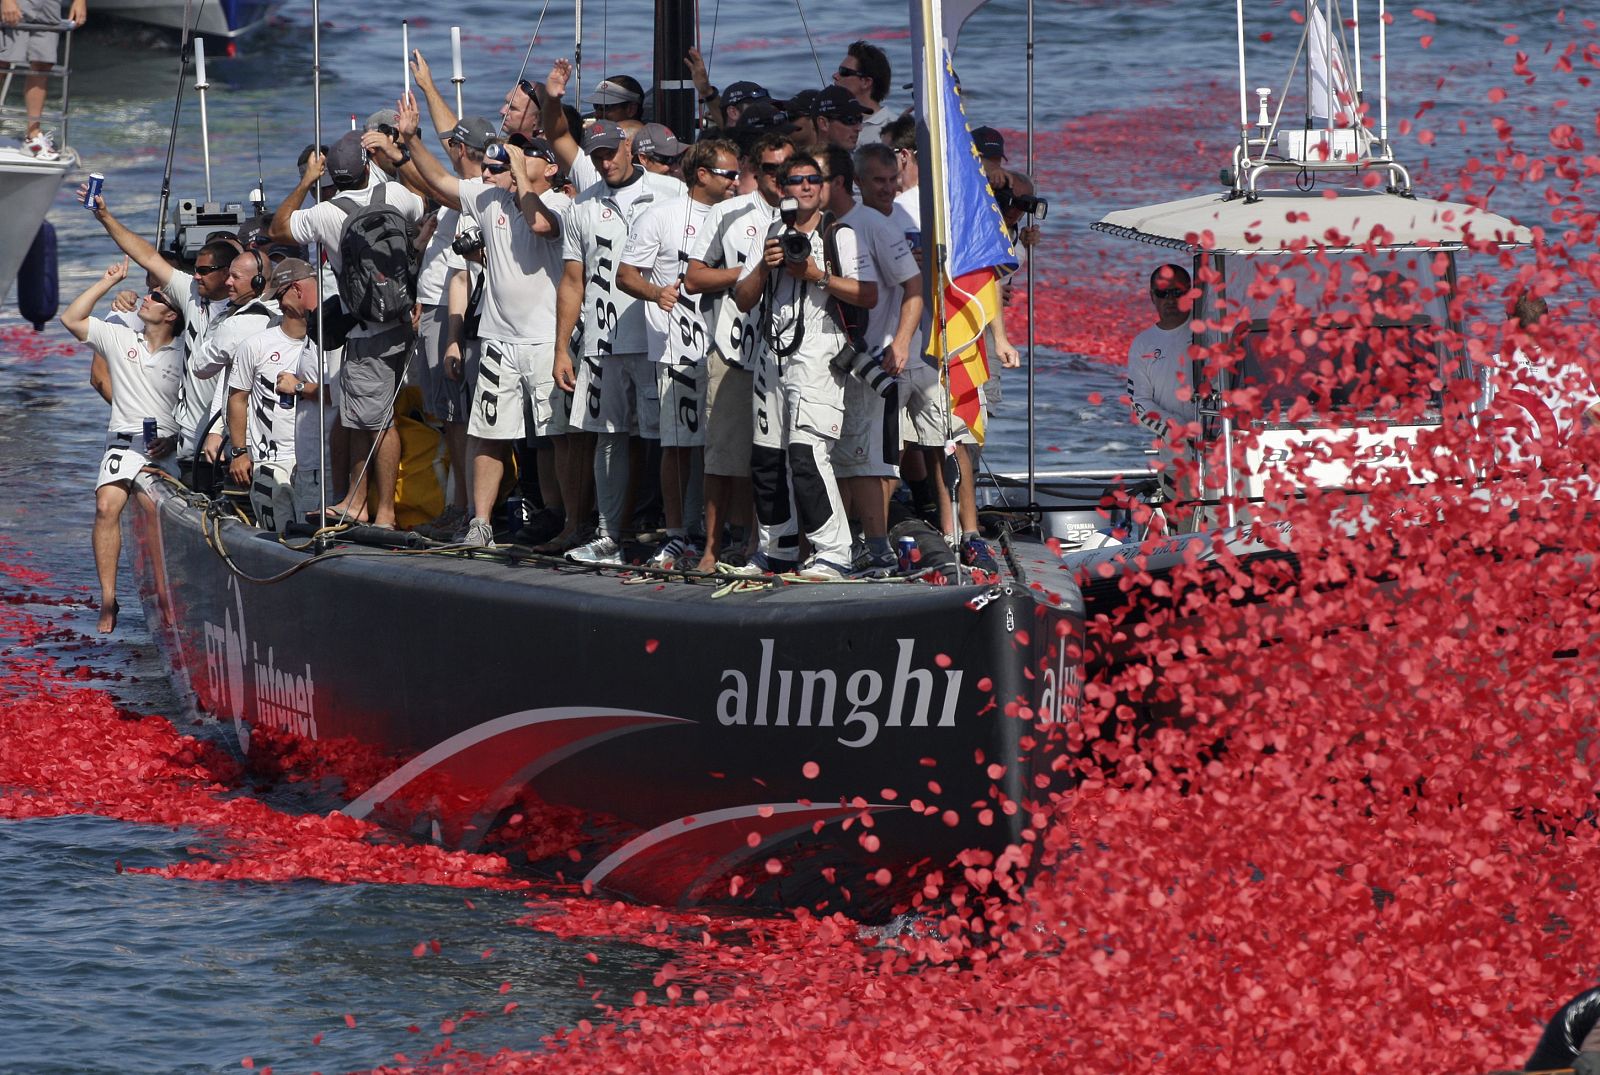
(258,282)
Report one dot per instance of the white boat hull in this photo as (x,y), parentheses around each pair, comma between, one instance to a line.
(27,189)
(214,19)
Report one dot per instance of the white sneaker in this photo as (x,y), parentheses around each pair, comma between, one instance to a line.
(672,550)
(479,533)
(602,550)
(42,145)
(819,570)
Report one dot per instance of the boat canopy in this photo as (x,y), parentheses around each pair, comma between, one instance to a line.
(1280,220)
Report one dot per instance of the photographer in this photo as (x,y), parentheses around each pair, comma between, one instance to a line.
(809,266)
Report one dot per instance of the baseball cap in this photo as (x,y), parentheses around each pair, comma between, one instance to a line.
(763,116)
(836,102)
(990,143)
(536,147)
(287,272)
(803,103)
(383,117)
(347,160)
(657,140)
(603,134)
(474,132)
(743,93)
(615,91)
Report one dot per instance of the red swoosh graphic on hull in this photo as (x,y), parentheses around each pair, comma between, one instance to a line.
(490,761)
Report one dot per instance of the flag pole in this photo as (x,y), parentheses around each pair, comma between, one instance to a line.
(322,356)
(1032,467)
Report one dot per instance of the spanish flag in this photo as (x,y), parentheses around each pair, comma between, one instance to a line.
(969,238)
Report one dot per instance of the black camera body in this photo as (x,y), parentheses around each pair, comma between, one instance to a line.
(468,242)
(796,247)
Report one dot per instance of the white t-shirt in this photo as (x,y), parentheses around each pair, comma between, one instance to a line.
(584,175)
(144,384)
(734,231)
(658,246)
(1554,393)
(229,328)
(793,302)
(911,202)
(182,289)
(883,241)
(322,223)
(274,433)
(1158,365)
(594,234)
(438,260)
(524,269)
(872,126)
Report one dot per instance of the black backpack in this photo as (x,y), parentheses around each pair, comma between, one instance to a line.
(377,261)
(851,319)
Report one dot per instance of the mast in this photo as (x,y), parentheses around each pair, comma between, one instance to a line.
(322,356)
(674,90)
(172,132)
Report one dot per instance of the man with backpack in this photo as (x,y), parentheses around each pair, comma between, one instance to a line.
(809,268)
(366,231)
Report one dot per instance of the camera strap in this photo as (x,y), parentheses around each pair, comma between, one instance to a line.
(851,319)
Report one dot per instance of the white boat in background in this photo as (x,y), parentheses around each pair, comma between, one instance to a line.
(209,18)
(28,184)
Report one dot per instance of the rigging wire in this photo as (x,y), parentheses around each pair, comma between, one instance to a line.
(526,56)
(715,15)
(798,6)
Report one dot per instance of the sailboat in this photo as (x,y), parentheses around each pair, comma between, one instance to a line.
(671,738)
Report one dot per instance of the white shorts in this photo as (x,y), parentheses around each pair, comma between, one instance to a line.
(617,394)
(124,458)
(682,393)
(924,401)
(513,378)
(869,442)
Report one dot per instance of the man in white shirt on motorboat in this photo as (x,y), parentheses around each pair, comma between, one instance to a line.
(146,371)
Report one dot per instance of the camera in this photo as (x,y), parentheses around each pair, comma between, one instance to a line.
(1022,203)
(865,366)
(788,212)
(796,247)
(469,241)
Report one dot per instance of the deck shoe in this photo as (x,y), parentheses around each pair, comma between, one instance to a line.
(975,552)
(819,569)
(479,533)
(671,551)
(544,525)
(602,550)
(874,565)
(758,564)
(444,526)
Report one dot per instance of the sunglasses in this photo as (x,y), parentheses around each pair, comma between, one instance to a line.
(496,169)
(851,120)
(850,72)
(804,181)
(528,88)
(1169,292)
(159,297)
(771,169)
(207,270)
(726,173)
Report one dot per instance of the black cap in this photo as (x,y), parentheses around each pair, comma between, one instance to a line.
(347,161)
(836,102)
(763,117)
(991,144)
(803,103)
(743,93)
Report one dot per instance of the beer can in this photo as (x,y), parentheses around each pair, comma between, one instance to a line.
(149,433)
(286,400)
(907,554)
(97,183)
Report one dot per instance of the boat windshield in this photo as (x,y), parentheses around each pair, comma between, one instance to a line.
(1344,339)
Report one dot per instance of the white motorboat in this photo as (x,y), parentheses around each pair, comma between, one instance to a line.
(224,18)
(28,183)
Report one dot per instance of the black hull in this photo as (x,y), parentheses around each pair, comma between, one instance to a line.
(646,738)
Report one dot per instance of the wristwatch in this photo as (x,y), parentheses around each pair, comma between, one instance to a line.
(405,156)
(822,282)
(299,387)
(234,453)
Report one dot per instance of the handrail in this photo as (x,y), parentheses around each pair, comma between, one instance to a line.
(61,70)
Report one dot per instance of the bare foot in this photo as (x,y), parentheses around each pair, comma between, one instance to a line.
(108,616)
(707,564)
